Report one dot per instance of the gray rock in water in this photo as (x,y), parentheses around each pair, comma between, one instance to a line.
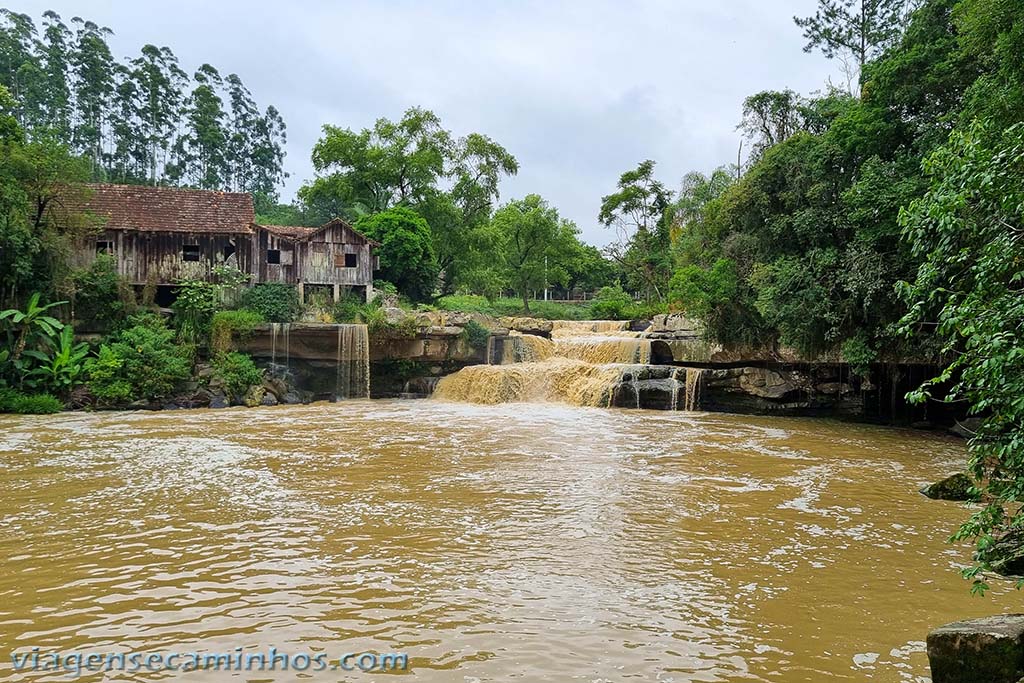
(1006,555)
(955,487)
(269,399)
(291,399)
(989,650)
(967,428)
(219,401)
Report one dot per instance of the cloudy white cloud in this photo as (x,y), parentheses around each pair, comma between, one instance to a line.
(579,91)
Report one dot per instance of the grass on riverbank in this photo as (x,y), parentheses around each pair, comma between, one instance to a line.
(548,310)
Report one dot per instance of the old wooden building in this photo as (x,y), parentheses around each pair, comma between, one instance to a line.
(161,235)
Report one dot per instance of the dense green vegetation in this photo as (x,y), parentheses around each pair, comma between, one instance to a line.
(915,186)
(143,120)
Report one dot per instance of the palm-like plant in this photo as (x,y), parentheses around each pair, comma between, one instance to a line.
(30,322)
(60,369)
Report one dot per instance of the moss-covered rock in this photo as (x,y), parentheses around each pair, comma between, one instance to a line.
(956,487)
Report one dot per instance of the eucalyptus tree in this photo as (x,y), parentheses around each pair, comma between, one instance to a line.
(93,86)
(266,154)
(55,53)
(200,152)
(159,83)
(19,64)
(240,127)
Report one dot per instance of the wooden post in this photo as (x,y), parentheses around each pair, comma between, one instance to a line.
(302,292)
(337,292)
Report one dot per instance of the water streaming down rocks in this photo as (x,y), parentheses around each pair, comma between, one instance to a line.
(353,362)
(587,363)
(346,375)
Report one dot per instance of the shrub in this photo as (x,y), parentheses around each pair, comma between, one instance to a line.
(143,361)
(236,372)
(196,302)
(275,301)
(612,303)
(475,334)
(29,404)
(229,326)
(101,298)
(548,310)
(348,309)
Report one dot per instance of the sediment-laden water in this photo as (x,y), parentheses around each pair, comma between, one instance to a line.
(490,543)
(580,365)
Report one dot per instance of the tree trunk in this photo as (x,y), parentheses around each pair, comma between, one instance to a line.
(526,304)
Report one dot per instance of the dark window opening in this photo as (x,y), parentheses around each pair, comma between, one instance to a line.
(103,247)
(229,251)
(190,252)
(274,256)
(351,260)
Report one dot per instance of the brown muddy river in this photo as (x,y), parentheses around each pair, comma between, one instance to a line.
(489,543)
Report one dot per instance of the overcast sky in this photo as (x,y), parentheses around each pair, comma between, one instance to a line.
(578,91)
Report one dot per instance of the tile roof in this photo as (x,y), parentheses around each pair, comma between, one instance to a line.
(288,231)
(300,233)
(167,209)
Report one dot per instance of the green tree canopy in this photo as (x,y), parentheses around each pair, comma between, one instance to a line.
(407,257)
(534,245)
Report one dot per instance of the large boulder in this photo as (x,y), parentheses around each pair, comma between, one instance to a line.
(955,487)
(989,650)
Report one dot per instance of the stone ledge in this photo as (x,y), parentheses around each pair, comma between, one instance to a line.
(989,649)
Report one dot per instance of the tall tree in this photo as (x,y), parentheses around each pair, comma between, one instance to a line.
(56,55)
(93,68)
(395,162)
(159,82)
(477,167)
(533,245)
(200,153)
(637,212)
(242,119)
(266,153)
(771,116)
(854,31)
(19,65)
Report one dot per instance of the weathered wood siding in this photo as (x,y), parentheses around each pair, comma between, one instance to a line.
(324,257)
(162,253)
(319,259)
(285,271)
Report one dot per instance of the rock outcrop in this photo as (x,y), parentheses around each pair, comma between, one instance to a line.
(990,649)
(958,486)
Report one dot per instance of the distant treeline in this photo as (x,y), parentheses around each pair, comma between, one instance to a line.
(141,120)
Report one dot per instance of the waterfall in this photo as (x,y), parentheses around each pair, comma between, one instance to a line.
(353,362)
(694,385)
(581,364)
(273,344)
(280,331)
